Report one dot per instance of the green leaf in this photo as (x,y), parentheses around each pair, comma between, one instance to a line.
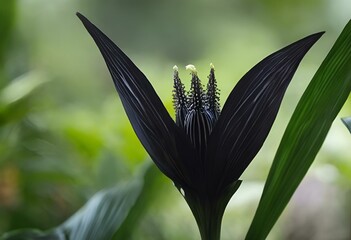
(7,19)
(21,87)
(347,122)
(154,182)
(32,234)
(14,97)
(98,219)
(305,134)
(103,214)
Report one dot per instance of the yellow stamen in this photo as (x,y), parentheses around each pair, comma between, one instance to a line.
(191,68)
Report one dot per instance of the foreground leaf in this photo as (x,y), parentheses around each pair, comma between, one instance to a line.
(99,219)
(33,234)
(154,182)
(103,214)
(305,134)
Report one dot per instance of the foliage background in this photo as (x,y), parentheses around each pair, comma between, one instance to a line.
(64,135)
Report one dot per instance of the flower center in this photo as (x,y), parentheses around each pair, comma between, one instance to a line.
(196,111)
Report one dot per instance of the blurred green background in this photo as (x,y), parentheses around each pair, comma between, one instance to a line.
(64,134)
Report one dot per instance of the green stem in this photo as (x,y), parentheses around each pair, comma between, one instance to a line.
(207,215)
(210,223)
(208,210)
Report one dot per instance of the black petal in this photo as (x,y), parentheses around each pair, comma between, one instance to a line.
(148,116)
(250,110)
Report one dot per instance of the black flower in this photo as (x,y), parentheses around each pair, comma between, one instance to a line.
(205,150)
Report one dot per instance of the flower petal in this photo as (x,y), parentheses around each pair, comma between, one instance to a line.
(250,110)
(150,120)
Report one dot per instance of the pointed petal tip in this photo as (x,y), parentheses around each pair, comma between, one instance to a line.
(175,68)
(84,20)
(87,24)
(303,45)
(320,33)
(311,39)
(80,16)
(316,35)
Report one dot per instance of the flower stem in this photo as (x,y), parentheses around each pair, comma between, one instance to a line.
(208,217)
(210,221)
(208,210)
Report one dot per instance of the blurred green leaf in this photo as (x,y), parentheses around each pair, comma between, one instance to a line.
(103,214)
(14,97)
(21,87)
(347,122)
(7,17)
(153,185)
(305,134)
(99,219)
(32,234)
(110,170)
